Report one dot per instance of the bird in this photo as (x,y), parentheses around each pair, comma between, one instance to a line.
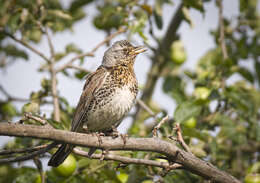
(108,95)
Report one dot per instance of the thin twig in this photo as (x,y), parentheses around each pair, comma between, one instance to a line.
(28,156)
(79,68)
(38,164)
(126,160)
(146,107)
(91,53)
(27,46)
(25,150)
(36,118)
(180,138)
(222,30)
(49,42)
(157,127)
(56,107)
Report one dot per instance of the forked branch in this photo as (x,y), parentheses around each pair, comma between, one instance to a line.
(170,150)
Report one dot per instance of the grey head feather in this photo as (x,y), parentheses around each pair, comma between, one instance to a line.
(118,54)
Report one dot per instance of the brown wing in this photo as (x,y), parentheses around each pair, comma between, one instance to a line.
(93,82)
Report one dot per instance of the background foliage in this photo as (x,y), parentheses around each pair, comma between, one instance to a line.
(220,121)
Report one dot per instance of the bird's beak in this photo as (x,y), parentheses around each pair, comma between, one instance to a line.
(138,49)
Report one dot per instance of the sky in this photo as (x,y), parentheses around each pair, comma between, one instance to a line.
(22,77)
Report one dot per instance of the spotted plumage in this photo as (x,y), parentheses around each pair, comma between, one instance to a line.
(108,95)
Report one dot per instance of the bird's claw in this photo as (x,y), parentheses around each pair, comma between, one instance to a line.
(104,152)
(99,135)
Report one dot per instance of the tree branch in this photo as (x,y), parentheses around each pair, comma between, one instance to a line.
(222,30)
(168,149)
(158,126)
(146,107)
(27,46)
(78,68)
(28,156)
(180,138)
(159,60)
(127,160)
(25,150)
(56,107)
(52,52)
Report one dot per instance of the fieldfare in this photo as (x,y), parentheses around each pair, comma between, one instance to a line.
(108,95)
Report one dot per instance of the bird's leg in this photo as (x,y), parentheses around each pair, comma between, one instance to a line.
(85,128)
(113,133)
(124,137)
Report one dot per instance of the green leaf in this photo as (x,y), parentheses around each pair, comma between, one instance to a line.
(31,107)
(187,16)
(25,174)
(174,86)
(80,74)
(11,50)
(72,48)
(257,70)
(58,56)
(56,124)
(8,109)
(77,4)
(196,4)
(246,74)
(187,110)
(193,132)
(158,13)
(60,14)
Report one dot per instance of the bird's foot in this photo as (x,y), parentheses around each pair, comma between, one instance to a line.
(113,133)
(99,135)
(104,152)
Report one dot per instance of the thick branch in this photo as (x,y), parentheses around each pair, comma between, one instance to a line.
(170,150)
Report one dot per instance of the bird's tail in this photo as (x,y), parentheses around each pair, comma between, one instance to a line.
(60,155)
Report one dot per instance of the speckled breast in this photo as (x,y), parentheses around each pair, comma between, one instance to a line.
(109,108)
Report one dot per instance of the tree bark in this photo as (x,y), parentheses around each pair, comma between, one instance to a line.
(173,153)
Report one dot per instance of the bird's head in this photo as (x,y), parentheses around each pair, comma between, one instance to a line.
(121,53)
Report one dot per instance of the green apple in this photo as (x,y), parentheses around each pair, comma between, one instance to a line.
(122,177)
(147,181)
(252,178)
(67,168)
(38,179)
(202,93)
(161,160)
(178,53)
(190,123)
(255,168)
